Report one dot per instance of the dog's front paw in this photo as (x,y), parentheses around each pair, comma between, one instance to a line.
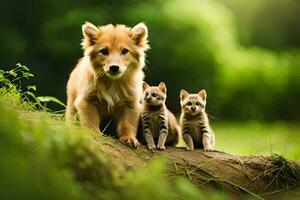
(161,147)
(130,141)
(189,148)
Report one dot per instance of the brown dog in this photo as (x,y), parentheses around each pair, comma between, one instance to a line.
(107,81)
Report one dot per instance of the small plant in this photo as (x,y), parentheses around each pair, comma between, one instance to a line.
(12,84)
(285,172)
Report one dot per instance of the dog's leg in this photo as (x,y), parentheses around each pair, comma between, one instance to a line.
(70,109)
(127,125)
(88,115)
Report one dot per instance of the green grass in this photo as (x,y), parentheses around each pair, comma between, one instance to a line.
(259,139)
(254,138)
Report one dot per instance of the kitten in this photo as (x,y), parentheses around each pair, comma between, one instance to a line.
(158,123)
(194,123)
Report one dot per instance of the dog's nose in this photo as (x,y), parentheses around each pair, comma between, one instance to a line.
(193,109)
(114,68)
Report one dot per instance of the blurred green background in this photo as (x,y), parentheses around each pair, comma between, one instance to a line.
(246,54)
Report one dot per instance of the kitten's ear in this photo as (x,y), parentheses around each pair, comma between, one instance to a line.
(203,94)
(145,86)
(162,86)
(90,34)
(139,34)
(183,94)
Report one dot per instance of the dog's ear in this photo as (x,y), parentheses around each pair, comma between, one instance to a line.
(162,86)
(183,94)
(90,34)
(145,86)
(139,34)
(203,94)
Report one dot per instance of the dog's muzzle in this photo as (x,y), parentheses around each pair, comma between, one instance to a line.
(114,71)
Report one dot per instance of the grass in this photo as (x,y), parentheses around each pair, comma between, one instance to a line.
(254,138)
(259,139)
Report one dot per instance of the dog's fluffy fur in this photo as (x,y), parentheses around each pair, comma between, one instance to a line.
(96,93)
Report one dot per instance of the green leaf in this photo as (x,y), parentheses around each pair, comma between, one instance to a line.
(50,99)
(13,73)
(30,94)
(25,67)
(31,87)
(2,73)
(19,65)
(27,74)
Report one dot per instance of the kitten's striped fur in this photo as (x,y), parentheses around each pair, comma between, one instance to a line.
(159,124)
(194,123)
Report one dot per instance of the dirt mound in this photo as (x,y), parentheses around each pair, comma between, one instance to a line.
(239,176)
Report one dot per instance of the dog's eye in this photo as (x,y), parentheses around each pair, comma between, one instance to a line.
(124,51)
(104,51)
(198,103)
(154,94)
(189,103)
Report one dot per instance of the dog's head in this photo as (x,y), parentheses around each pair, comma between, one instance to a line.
(115,50)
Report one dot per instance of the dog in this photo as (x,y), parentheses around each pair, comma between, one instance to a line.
(108,79)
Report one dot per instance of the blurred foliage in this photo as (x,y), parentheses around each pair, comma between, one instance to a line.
(13,89)
(267,24)
(43,158)
(246,54)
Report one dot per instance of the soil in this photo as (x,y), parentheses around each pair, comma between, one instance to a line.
(239,176)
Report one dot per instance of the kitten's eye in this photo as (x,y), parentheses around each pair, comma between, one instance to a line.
(189,103)
(104,51)
(154,94)
(198,103)
(124,51)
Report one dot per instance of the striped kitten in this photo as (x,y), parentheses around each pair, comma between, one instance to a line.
(194,123)
(159,124)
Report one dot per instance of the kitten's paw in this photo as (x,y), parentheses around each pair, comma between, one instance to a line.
(130,141)
(161,147)
(208,149)
(189,148)
(151,147)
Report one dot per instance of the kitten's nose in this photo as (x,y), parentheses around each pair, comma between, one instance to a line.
(193,109)
(114,68)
